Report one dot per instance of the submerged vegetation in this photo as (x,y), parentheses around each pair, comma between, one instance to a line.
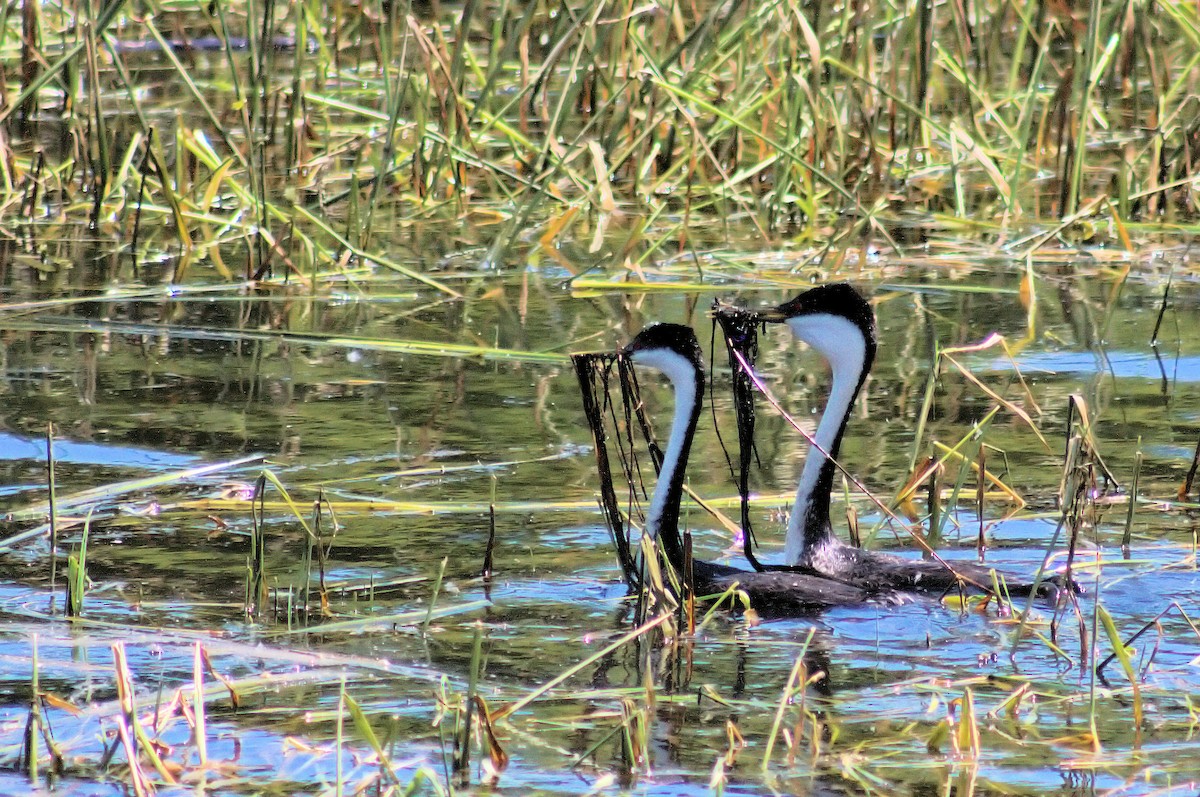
(298,492)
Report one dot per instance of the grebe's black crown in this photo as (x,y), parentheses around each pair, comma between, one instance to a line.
(674,337)
(837,298)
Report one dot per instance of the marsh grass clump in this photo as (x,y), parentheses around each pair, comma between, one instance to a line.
(289,127)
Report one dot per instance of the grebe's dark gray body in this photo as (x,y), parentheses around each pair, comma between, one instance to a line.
(673,350)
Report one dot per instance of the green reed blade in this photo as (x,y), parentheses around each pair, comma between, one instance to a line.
(112,491)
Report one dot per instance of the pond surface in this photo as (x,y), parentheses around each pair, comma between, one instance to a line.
(410,414)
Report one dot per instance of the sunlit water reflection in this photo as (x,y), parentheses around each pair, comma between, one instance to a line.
(432,440)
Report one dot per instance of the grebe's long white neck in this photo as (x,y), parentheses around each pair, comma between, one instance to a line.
(842,344)
(682,375)
(840,325)
(673,350)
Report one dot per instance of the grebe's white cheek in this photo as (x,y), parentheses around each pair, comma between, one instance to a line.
(836,338)
(674,365)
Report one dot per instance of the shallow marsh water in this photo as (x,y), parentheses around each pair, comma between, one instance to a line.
(412,447)
(577,170)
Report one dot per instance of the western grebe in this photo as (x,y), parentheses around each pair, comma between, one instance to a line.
(837,322)
(673,350)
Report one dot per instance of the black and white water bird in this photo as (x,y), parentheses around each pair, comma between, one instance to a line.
(673,350)
(839,324)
